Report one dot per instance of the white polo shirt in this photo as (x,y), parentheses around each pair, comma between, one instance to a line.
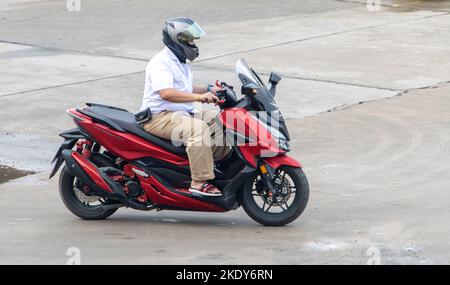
(165,71)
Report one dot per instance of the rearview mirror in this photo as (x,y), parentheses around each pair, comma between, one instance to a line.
(274,78)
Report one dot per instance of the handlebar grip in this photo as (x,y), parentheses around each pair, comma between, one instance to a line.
(220,102)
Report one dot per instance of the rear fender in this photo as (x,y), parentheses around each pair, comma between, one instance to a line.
(71,137)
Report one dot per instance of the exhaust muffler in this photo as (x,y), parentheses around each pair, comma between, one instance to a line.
(92,176)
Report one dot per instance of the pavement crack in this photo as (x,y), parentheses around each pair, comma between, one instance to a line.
(393,6)
(350,106)
(321,36)
(70,84)
(301,78)
(33,18)
(437,85)
(443,13)
(400,93)
(74,51)
(193,65)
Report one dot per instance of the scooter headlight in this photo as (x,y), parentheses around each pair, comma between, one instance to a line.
(283,143)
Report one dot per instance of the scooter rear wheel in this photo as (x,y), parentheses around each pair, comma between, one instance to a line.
(85,206)
(284,209)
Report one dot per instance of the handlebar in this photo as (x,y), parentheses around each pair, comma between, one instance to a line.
(220,102)
(224,95)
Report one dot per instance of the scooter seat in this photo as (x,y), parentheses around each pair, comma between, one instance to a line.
(126,120)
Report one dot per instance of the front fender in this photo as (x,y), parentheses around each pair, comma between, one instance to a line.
(286,160)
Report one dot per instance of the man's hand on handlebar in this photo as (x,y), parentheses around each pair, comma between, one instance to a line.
(208,97)
(215,95)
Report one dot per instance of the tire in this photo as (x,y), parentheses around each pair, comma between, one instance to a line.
(73,203)
(294,210)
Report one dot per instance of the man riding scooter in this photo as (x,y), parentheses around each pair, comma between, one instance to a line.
(170,95)
(116,163)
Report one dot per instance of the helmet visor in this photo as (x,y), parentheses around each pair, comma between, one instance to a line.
(193,32)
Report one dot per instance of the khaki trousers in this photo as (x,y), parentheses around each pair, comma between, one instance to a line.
(195,132)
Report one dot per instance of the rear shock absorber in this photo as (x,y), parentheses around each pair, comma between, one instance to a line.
(84,147)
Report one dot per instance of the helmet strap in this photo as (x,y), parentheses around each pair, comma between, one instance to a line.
(175,48)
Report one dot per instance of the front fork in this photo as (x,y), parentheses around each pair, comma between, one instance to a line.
(268,176)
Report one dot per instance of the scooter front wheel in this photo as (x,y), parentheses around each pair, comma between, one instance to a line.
(291,201)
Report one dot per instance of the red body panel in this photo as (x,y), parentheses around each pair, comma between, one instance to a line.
(126,145)
(91,171)
(160,195)
(261,144)
(130,147)
(278,161)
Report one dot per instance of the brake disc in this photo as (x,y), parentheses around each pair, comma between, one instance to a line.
(87,199)
(284,190)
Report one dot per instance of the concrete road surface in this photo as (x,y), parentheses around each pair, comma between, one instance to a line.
(366,94)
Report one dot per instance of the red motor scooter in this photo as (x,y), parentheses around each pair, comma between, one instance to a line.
(111,162)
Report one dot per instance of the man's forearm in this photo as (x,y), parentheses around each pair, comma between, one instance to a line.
(176,96)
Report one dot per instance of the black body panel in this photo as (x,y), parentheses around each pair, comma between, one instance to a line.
(231,176)
(125,121)
(77,171)
(230,187)
(180,176)
(71,136)
(67,144)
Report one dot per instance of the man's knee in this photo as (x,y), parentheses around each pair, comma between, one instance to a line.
(199,128)
(200,134)
(210,117)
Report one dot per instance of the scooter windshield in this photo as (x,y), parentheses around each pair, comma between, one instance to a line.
(265,101)
(248,75)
